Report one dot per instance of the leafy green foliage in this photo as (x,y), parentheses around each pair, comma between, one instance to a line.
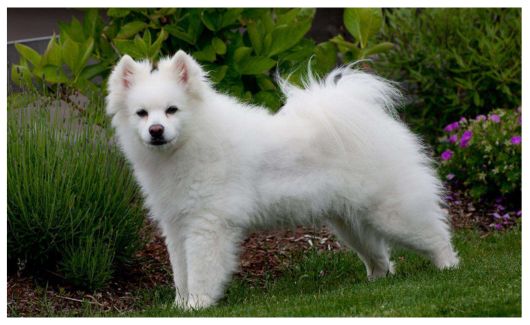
(484,154)
(72,204)
(241,48)
(363,24)
(453,62)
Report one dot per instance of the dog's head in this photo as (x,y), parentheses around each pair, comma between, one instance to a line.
(156,103)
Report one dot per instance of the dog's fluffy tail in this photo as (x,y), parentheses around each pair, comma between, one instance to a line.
(346,103)
(353,83)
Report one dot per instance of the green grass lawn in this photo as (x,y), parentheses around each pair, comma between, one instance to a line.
(488,283)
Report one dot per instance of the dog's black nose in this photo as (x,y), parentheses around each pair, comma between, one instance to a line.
(156,130)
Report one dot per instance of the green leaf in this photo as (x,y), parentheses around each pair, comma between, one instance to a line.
(242,53)
(90,71)
(230,17)
(118,12)
(207,54)
(53,53)
(363,23)
(21,76)
(28,53)
(219,46)
(90,22)
(140,45)
(265,83)
(147,37)
(128,47)
(54,74)
(74,30)
(209,20)
(131,29)
(255,37)
(179,33)
(86,52)
(218,74)
(286,36)
(376,49)
(155,47)
(288,17)
(268,99)
(255,65)
(325,57)
(71,49)
(346,47)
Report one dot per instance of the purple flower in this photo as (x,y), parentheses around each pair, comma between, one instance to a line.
(519,213)
(466,137)
(496,216)
(506,216)
(495,118)
(516,139)
(451,127)
(462,120)
(499,207)
(481,117)
(453,138)
(447,154)
(498,226)
(450,176)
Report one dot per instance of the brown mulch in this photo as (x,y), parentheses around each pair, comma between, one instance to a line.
(262,252)
(266,252)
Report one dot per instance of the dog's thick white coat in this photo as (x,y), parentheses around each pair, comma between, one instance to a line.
(334,154)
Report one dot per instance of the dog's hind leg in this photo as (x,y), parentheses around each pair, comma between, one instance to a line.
(424,230)
(371,248)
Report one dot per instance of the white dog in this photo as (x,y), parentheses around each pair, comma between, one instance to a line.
(211,168)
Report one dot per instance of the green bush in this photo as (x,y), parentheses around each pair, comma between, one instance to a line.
(241,48)
(484,154)
(453,62)
(73,205)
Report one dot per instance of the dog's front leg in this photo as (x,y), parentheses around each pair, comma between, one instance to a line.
(212,256)
(175,245)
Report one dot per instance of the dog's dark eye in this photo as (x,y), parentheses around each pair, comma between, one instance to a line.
(141,113)
(172,110)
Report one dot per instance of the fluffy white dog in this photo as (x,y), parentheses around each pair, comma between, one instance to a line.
(211,168)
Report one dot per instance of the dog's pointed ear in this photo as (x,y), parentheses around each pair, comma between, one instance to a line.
(187,71)
(120,80)
(123,74)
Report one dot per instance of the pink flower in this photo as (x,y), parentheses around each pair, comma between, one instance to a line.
(466,137)
(480,117)
(516,139)
(453,138)
(495,118)
(450,176)
(447,154)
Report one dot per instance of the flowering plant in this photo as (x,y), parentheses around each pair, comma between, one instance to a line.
(484,154)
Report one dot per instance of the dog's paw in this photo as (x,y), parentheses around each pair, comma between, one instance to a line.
(180,303)
(378,273)
(196,302)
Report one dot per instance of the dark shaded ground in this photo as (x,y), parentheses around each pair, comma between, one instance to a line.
(263,253)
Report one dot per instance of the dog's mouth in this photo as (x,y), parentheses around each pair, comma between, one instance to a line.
(158,142)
